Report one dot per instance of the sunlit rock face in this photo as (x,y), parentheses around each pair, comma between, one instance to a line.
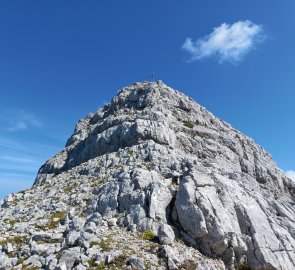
(153,161)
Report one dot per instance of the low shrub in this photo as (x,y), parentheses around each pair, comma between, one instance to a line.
(20,261)
(149,236)
(188,124)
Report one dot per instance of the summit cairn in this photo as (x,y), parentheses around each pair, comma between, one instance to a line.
(153,181)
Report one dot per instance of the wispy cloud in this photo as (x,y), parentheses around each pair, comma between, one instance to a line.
(22,159)
(227,42)
(21,155)
(18,167)
(19,163)
(26,148)
(22,120)
(10,144)
(291,174)
(17,126)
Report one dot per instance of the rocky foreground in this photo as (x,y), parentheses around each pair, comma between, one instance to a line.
(153,181)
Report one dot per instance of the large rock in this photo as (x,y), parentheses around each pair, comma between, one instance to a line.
(5,263)
(155,160)
(70,257)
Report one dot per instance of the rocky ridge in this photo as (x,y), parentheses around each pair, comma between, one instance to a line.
(153,181)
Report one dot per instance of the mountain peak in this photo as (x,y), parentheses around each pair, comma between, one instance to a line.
(142,94)
(156,162)
(139,113)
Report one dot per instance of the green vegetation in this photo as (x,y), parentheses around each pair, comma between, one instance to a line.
(58,256)
(149,236)
(23,191)
(54,220)
(178,239)
(56,199)
(39,227)
(144,165)
(105,245)
(20,261)
(98,182)
(49,241)
(10,254)
(101,266)
(119,262)
(92,244)
(30,268)
(10,221)
(47,186)
(243,266)
(92,263)
(189,265)
(130,152)
(70,188)
(188,124)
(14,240)
(94,266)
(118,167)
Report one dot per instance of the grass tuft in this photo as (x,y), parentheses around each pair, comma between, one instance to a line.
(188,124)
(149,236)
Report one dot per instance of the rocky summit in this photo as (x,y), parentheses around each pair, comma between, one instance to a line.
(152,181)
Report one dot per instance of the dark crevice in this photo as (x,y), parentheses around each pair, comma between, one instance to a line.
(169,211)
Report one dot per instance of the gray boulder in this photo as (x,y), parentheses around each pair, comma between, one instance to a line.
(5,263)
(166,234)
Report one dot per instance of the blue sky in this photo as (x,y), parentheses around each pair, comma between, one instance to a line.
(60,60)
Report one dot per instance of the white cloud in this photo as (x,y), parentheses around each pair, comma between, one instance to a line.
(227,42)
(30,118)
(22,120)
(291,174)
(17,126)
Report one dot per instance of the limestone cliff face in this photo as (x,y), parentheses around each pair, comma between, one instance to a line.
(154,159)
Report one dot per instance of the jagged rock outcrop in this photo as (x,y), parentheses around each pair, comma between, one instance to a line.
(154,160)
